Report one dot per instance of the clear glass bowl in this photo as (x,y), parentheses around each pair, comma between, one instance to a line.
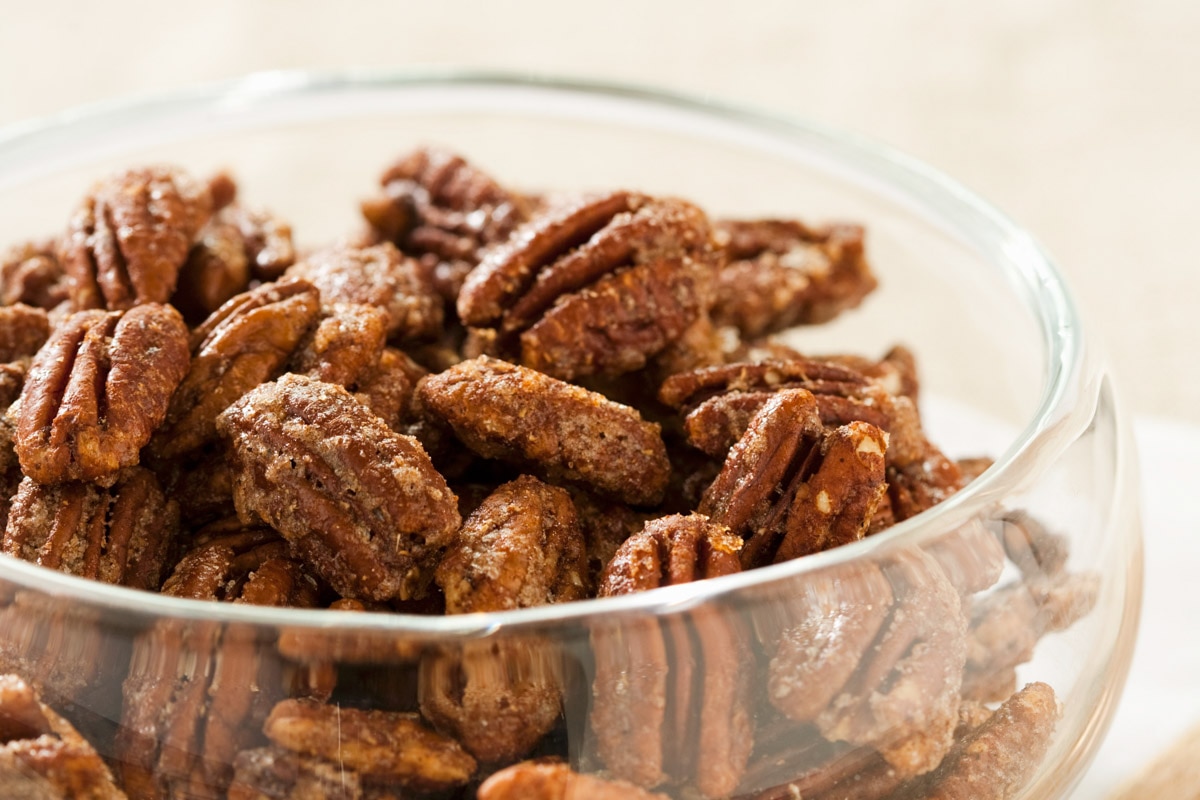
(687,680)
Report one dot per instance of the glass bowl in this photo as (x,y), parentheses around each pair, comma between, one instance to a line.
(775,682)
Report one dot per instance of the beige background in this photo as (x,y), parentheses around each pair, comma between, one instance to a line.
(1080,118)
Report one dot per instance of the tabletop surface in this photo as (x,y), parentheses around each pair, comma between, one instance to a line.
(1079,118)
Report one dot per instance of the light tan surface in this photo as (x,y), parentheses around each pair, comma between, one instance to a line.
(1174,775)
(1080,118)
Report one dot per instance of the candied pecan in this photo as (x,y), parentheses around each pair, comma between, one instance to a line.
(970,555)
(780,273)
(131,235)
(605,525)
(197,691)
(972,468)
(97,391)
(30,273)
(378,276)
(388,388)
(498,697)
(896,372)
(359,503)
(120,535)
(815,769)
(344,345)
(521,548)
(42,757)
(995,760)
(596,286)
(437,206)
(245,342)
(672,700)
(346,645)
(534,780)
(202,486)
(1035,549)
(23,331)
(272,773)
(791,488)
(501,410)
(389,749)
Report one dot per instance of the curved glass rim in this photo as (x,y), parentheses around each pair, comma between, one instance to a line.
(970,215)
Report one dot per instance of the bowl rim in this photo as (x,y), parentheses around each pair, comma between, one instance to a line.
(1034,272)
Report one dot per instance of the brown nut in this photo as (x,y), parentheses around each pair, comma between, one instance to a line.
(595,286)
(245,342)
(521,547)
(780,273)
(504,411)
(345,344)
(30,273)
(23,331)
(671,700)
(377,276)
(272,773)
(391,750)
(442,209)
(533,780)
(360,504)
(120,535)
(131,235)
(97,391)
(197,692)
(42,757)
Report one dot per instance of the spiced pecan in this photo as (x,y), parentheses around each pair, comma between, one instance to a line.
(391,750)
(970,555)
(345,645)
(131,235)
(197,691)
(360,504)
(42,757)
(809,767)
(521,548)
(379,276)
(245,342)
(780,273)
(504,411)
(120,535)
(534,780)
(672,699)
(444,210)
(23,331)
(30,273)
(1035,549)
(597,286)
(272,773)
(605,525)
(97,391)
(388,389)
(344,345)
(790,488)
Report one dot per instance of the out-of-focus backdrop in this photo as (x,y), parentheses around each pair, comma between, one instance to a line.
(1080,118)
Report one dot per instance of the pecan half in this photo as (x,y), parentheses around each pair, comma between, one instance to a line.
(780,273)
(790,488)
(97,391)
(534,780)
(120,535)
(344,345)
(30,273)
(672,698)
(391,750)
(42,757)
(23,331)
(521,547)
(444,210)
(596,286)
(131,235)
(359,503)
(504,411)
(388,389)
(272,773)
(197,691)
(378,276)
(245,342)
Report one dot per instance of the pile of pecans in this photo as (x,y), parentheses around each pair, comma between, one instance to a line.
(488,400)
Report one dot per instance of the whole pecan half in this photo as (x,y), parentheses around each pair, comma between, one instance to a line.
(442,209)
(344,345)
(542,780)
(97,391)
(197,691)
(360,504)
(30,273)
(131,235)
(245,342)
(513,413)
(379,276)
(595,286)
(42,757)
(121,535)
(672,698)
(780,273)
